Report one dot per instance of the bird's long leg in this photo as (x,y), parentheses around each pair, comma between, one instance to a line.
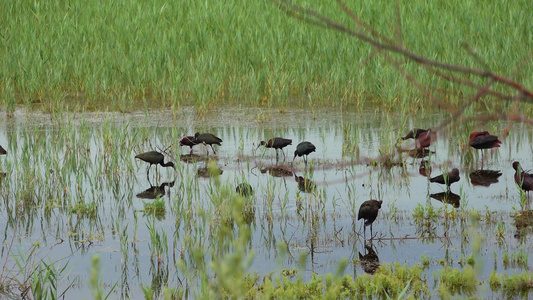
(371,234)
(148,172)
(482,158)
(213,150)
(283,154)
(277,156)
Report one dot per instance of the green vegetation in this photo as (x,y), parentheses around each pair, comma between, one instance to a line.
(132,55)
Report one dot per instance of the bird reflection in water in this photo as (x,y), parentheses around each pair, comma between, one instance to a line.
(420,153)
(523,222)
(277,171)
(369,261)
(447,198)
(193,158)
(207,172)
(484,177)
(425,168)
(244,189)
(305,185)
(248,209)
(153,192)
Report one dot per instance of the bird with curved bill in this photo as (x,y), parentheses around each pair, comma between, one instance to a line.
(154,158)
(368,211)
(276,143)
(208,139)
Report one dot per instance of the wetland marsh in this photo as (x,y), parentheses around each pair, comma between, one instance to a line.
(73,190)
(87,86)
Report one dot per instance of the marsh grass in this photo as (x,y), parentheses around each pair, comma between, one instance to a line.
(137,55)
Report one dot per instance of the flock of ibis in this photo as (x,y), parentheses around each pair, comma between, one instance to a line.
(368,210)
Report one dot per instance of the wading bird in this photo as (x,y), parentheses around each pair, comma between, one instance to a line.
(304,149)
(276,143)
(208,139)
(244,189)
(154,158)
(188,141)
(447,178)
(413,134)
(421,136)
(483,140)
(369,212)
(522,178)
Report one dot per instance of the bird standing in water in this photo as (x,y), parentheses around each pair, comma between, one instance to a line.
(522,178)
(188,141)
(369,212)
(447,178)
(276,143)
(421,136)
(304,149)
(154,158)
(483,140)
(208,139)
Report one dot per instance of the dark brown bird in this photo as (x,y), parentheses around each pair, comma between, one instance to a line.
(522,178)
(483,140)
(244,189)
(422,137)
(369,212)
(154,158)
(447,178)
(189,141)
(423,140)
(304,149)
(276,143)
(413,134)
(208,139)
(2,151)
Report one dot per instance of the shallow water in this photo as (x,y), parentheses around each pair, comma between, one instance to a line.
(52,165)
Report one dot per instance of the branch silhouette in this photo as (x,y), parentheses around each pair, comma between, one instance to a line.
(380,42)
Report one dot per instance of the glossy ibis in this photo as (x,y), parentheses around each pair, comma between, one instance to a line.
(208,139)
(154,158)
(414,134)
(369,212)
(447,178)
(276,143)
(423,140)
(2,151)
(304,149)
(522,178)
(188,141)
(244,189)
(422,137)
(483,140)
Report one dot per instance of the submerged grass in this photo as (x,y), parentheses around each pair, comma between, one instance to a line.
(120,56)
